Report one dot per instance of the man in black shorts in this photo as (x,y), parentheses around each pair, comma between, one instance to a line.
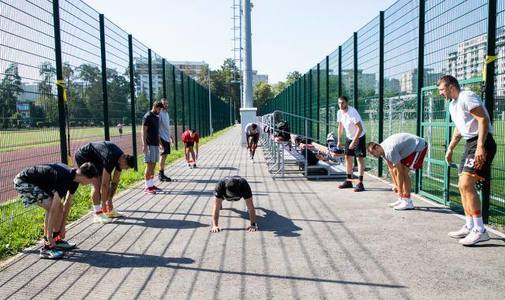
(472,124)
(252,135)
(46,186)
(233,188)
(107,157)
(350,121)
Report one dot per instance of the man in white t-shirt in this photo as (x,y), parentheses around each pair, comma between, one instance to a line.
(402,152)
(350,121)
(472,124)
(164,139)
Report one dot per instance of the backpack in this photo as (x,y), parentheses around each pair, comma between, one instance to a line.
(282,130)
(312,159)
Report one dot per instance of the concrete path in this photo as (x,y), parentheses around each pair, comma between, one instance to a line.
(315,243)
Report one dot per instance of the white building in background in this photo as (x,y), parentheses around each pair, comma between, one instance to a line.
(191,68)
(467,61)
(259,78)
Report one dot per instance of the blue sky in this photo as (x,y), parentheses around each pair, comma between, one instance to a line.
(288,35)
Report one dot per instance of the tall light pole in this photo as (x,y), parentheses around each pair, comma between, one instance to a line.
(247,111)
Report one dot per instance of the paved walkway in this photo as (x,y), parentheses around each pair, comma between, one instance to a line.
(315,243)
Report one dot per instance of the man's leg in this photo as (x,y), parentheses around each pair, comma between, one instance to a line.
(348,167)
(405,186)
(361,169)
(467,188)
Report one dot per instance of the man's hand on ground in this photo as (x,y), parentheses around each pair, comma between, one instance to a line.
(215,229)
(252,228)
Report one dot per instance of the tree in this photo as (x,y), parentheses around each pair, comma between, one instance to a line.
(278,88)
(292,77)
(10,89)
(46,100)
(262,93)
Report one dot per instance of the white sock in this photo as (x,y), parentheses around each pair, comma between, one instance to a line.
(469,222)
(147,183)
(479,224)
(150,182)
(97,208)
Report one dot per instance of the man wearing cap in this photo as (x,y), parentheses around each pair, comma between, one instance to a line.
(233,188)
(107,158)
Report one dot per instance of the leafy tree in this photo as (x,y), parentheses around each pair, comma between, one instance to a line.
(293,77)
(10,89)
(262,93)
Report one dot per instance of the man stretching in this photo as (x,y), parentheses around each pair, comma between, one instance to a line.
(190,138)
(233,188)
(402,152)
(252,135)
(109,160)
(46,186)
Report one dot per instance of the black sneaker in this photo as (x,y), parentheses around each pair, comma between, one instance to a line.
(359,187)
(48,253)
(345,185)
(162,177)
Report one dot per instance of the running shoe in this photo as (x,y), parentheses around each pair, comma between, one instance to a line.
(359,187)
(114,214)
(48,253)
(406,204)
(157,189)
(65,245)
(393,204)
(150,190)
(101,219)
(345,185)
(459,234)
(162,177)
(474,237)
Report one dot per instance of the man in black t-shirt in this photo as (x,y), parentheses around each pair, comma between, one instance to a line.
(107,157)
(151,145)
(233,188)
(46,186)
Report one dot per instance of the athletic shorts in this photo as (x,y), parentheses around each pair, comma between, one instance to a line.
(359,151)
(415,160)
(467,160)
(166,147)
(31,194)
(152,155)
(253,138)
(189,144)
(79,160)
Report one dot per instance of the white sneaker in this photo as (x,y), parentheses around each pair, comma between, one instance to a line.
(459,234)
(474,237)
(405,205)
(393,204)
(101,218)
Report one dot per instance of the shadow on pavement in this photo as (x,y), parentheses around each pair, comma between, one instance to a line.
(160,223)
(108,259)
(271,221)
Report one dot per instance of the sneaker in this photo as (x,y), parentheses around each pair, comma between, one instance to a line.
(101,218)
(474,237)
(114,214)
(162,177)
(156,189)
(459,234)
(149,190)
(65,245)
(48,253)
(405,205)
(345,185)
(359,187)
(393,204)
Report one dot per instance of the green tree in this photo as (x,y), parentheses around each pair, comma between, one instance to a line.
(292,77)
(90,78)
(46,100)
(262,93)
(10,89)
(118,89)
(278,87)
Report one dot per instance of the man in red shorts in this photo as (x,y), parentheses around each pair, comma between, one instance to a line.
(190,138)
(402,152)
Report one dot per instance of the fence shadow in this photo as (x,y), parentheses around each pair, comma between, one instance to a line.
(108,259)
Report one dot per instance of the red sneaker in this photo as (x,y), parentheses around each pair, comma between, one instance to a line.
(149,190)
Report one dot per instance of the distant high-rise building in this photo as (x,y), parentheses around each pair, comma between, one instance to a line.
(259,78)
(191,68)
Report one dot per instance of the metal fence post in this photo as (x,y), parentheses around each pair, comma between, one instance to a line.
(327,74)
(420,81)
(174,94)
(355,71)
(182,102)
(163,79)
(339,71)
(59,78)
(132,98)
(105,96)
(150,71)
(381,88)
(489,101)
(318,100)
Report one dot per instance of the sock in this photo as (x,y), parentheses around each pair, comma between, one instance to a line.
(349,176)
(361,179)
(407,196)
(98,209)
(161,172)
(150,183)
(478,223)
(469,222)
(55,234)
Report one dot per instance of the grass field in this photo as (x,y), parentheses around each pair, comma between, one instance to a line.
(21,227)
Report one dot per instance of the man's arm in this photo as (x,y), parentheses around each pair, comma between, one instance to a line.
(456,137)
(483,121)
(252,214)
(340,132)
(66,211)
(104,187)
(215,214)
(144,139)
(114,183)
(355,139)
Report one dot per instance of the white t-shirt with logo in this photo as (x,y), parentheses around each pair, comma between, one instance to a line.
(349,120)
(249,130)
(461,116)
